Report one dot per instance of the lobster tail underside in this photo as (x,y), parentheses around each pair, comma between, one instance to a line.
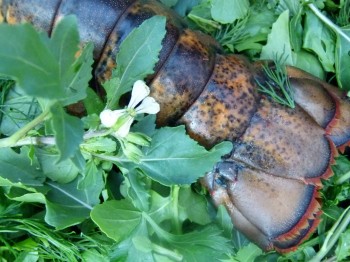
(269,182)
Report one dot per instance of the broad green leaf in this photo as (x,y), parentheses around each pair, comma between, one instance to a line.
(174,158)
(126,250)
(64,43)
(66,205)
(61,172)
(342,60)
(308,62)
(18,169)
(27,59)
(319,39)
(205,245)
(117,219)
(137,56)
(281,49)
(193,206)
(227,11)
(68,130)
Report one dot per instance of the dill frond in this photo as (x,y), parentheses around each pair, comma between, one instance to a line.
(277,85)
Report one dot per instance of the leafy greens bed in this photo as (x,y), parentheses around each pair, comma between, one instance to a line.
(74,190)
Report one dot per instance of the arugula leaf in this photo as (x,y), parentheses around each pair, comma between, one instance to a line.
(134,54)
(66,205)
(282,47)
(319,39)
(62,172)
(227,11)
(117,219)
(174,158)
(32,65)
(342,60)
(17,169)
(69,132)
(192,206)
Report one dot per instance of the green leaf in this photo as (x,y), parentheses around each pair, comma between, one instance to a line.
(100,144)
(174,158)
(26,58)
(64,43)
(319,39)
(18,169)
(308,62)
(247,253)
(138,186)
(18,110)
(223,220)
(93,103)
(227,11)
(342,60)
(343,248)
(281,48)
(66,205)
(193,206)
(117,219)
(68,130)
(137,56)
(77,76)
(205,245)
(62,172)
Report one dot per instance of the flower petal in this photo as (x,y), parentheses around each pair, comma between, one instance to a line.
(123,131)
(148,106)
(139,91)
(109,117)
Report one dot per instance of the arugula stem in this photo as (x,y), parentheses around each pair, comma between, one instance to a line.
(175,207)
(327,21)
(50,140)
(333,235)
(12,140)
(343,178)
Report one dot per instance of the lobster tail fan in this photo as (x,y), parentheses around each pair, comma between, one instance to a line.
(337,126)
(285,213)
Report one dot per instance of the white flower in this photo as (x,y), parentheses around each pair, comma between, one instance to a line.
(139,94)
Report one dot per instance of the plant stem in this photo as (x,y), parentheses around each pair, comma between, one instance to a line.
(333,235)
(175,208)
(327,21)
(12,140)
(343,178)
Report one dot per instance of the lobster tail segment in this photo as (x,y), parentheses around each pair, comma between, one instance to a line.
(323,98)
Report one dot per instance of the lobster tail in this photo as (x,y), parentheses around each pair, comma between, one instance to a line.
(269,182)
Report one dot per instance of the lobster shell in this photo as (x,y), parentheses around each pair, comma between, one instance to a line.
(269,183)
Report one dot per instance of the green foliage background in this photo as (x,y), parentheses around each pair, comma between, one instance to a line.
(69,191)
